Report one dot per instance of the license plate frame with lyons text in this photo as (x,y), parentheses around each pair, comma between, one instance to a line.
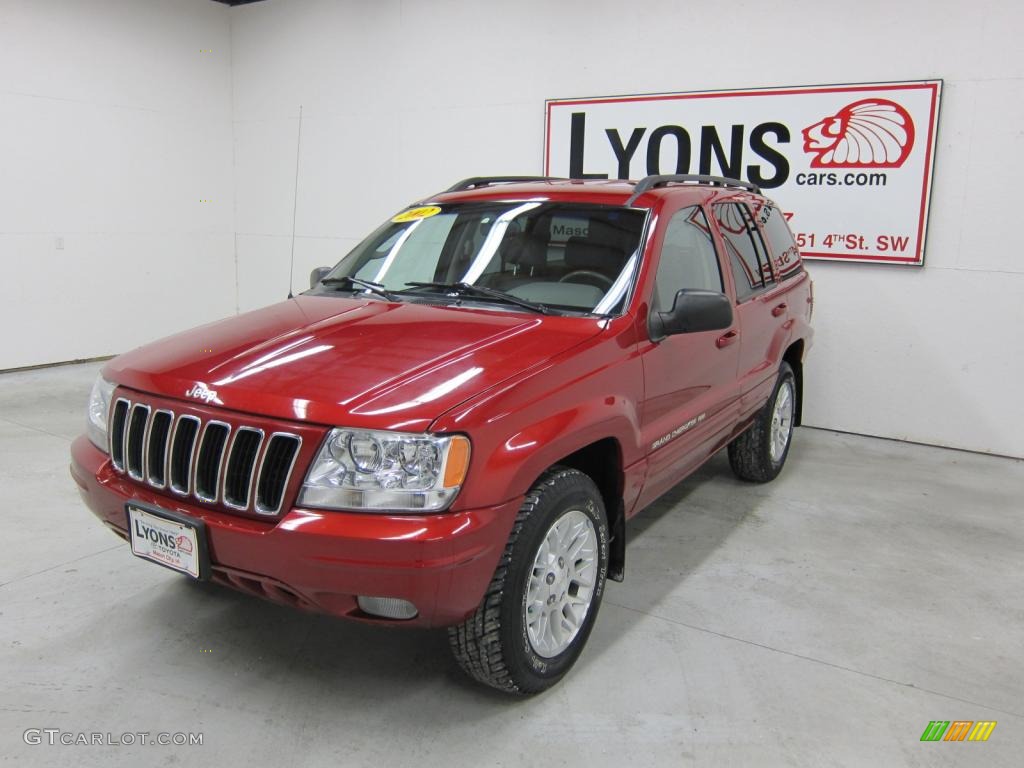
(170,539)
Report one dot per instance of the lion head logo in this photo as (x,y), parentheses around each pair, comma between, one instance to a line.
(183,543)
(872,133)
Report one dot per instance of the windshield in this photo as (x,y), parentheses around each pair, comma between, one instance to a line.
(562,256)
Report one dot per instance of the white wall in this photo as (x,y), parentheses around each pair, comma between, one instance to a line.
(401,99)
(114,124)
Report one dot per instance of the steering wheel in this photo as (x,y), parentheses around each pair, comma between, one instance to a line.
(604,279)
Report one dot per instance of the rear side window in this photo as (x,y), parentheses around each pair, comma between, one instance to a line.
(785,255)
(688,259)
(747,255)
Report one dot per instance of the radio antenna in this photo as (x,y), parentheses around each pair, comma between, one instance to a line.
(295,207)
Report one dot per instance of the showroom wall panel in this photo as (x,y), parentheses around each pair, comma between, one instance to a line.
(401,99)
(116,194)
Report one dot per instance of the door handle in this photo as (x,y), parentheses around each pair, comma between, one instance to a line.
(727,339)
(778,309)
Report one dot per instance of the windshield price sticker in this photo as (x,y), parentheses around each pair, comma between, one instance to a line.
(415,214)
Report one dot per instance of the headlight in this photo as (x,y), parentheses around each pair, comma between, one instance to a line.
(99,409)
(386,471)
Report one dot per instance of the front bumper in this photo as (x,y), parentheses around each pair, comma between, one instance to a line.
(323,560)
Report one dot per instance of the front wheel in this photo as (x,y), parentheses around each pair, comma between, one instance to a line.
(541,604)
(759,453)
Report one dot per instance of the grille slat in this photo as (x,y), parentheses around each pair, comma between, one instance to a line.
(208,463)
(278,461)
(182,448)
(135,444)
(156,459)
(245,448)
(117,425)
(209,460)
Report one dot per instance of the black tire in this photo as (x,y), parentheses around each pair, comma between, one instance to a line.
(750,454)
(493,645)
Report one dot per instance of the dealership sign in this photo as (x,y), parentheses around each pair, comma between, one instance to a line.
(851,165)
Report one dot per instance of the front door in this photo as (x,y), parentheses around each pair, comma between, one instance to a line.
(691,392)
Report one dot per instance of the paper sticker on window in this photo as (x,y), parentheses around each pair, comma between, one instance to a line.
(415,214)
(565,227)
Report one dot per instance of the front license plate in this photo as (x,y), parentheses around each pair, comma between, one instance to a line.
(169,539)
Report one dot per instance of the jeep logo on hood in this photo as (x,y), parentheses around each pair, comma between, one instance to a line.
(201,392)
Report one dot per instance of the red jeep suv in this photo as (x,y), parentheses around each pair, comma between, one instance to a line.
(452,426)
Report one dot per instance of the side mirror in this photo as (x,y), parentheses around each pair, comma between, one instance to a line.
(317,275)
(692,312)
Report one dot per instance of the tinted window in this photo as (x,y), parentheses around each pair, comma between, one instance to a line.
(747,256)
(688,259)
(785,255)
(564,227)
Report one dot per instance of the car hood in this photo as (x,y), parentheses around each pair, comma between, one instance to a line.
(352,362)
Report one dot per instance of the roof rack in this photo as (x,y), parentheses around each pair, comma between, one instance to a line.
(652,182)
(483,181)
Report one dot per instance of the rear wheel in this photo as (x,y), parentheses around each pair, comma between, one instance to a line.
(541,604)
(759,453)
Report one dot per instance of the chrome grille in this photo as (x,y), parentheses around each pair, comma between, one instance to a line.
(183,448)
(134,447)
(117,427)
(238,478)
(212,461)
(277,469)
(156,445)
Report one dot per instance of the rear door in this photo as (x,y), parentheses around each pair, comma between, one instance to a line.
(691,392)
(759,315)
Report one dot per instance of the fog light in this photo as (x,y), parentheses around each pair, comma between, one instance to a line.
(387,607)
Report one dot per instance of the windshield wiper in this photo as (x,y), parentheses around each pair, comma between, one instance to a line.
(377,288)
(468,289)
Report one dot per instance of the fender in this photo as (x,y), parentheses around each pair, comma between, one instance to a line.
(531,422)
(534,449)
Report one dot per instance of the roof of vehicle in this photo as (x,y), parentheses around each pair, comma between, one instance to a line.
(642,193)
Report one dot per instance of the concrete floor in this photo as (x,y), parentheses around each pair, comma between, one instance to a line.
(822,620)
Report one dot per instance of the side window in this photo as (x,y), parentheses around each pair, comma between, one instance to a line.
(747,255)
(688,258)
(785,255)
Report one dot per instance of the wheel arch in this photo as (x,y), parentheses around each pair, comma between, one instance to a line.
(794,355)
(601,461)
